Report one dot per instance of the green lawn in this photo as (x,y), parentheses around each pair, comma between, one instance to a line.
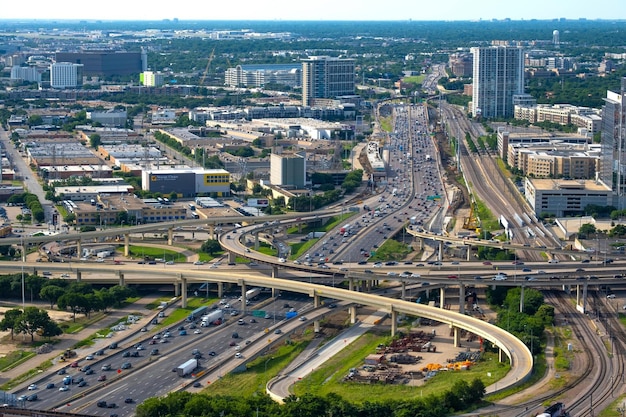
(414,79)
(181,313)
(142,251)
(391,250)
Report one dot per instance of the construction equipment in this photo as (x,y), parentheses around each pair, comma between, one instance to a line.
(471,222)
(208,66)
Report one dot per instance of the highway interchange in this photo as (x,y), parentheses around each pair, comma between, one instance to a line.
(415,179)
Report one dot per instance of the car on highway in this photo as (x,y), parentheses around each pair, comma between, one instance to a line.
(32,387)
(64,388)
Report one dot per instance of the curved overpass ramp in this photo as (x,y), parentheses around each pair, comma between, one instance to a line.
(519,355)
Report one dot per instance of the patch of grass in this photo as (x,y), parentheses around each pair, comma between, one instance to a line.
(142,251)
(266,249)
(298,249)
(391,250)
(12,359)
(181,313)
(80,323)
(26,376)
(256,376)
(488,221)
(414,79)
(89,340)
(539,369)
(386,124)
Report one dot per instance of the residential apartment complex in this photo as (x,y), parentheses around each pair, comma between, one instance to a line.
(260,75)
(326,77)
(66,75)
(498,75)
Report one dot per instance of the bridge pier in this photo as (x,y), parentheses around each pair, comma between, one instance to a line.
(394,323)
(256,241)
(212,231)
(126,244)
(403,292)
(469,253)
(79,249)
(176,289)
(582,297)
(231,257)
(170,236)
(352,312)
(442,297)
(220,289)
(351,284)
(440,251)
(274,272)
(316,304)
(183,290)
(79,276)
(243,296)
(462,298)
(521,299)
(120,274)
(457,336)
(420,243)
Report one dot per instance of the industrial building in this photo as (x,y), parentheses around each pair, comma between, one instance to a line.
(106,63)
(498,75)
(187,182)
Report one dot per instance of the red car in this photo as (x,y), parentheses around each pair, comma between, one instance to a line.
(453,276)
(486,263)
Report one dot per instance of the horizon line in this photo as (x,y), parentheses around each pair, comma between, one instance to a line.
(175,19)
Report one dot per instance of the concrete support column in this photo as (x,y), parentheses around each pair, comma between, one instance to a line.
(212,231)
(501,355)
(462,298)
(316,304)
(420,243)
(456,336)
(274,272)
(394,323)
(469,253)
(231,257)
(220,289)
(126,244)
(170,236)
(79,249)
(350,284)
(440,251)
(243,296)
(521,300)
(120,274)
(176,289)
(585,286)
(352,311)
(256,241)
(79,276)
(403,292)
(275,292)
(442,297)
(183,290)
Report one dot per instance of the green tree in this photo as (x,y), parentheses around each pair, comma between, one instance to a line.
(95,140)
(32,320)
(586,230)
(11,321)
(74,301)
(51,293)
(211,246)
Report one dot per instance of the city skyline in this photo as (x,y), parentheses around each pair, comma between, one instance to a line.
(328,11)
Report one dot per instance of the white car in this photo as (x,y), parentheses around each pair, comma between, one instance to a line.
(32,387)
(282,260)
(391,274)
(499,277)
(197,331)
(198,263)
(238,355)
(64,388)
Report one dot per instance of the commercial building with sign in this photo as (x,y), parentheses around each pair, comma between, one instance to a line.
(187,182)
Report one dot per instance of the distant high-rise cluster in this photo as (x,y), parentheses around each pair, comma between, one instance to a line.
(498,76)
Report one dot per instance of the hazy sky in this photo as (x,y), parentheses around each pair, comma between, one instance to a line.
(322,10)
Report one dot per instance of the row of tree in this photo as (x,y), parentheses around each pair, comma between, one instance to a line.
(460,396)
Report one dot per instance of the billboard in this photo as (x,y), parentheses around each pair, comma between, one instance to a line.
(258,202)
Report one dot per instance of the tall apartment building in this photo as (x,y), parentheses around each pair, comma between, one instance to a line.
(66,75)
(498,75)
(260,75)
(30,74)
(152,79)
(613,171)
(288,170)
(326,77)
